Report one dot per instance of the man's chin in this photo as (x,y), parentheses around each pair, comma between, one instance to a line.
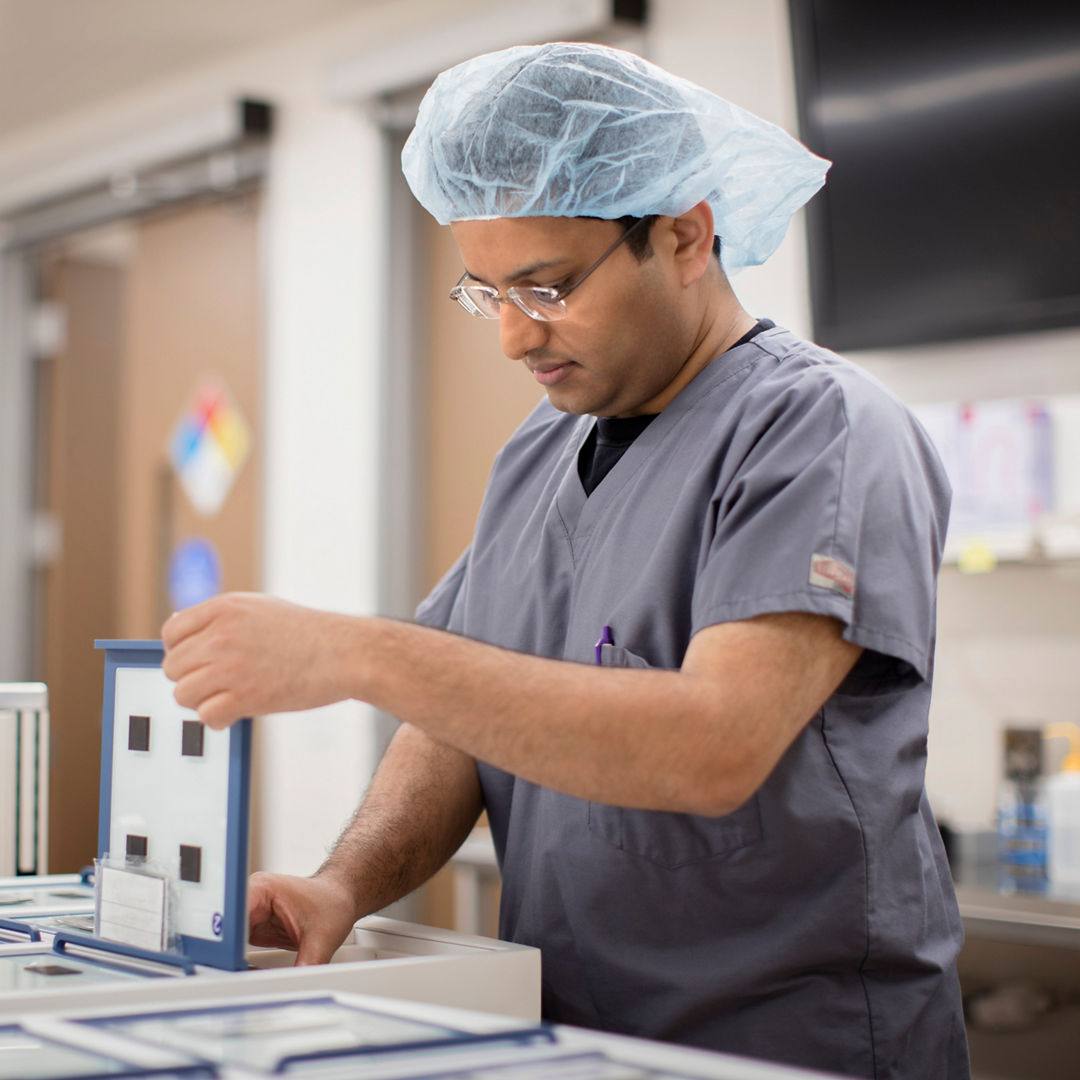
(574,404)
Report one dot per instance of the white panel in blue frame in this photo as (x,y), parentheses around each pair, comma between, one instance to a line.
(543,1064)
(274,1036)
(34,1056)
(178,808)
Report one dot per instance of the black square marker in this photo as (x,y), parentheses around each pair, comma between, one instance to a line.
(191,739)
(190,863)
(138,732)
(136,845)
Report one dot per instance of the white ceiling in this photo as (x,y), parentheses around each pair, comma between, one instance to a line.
(57,55)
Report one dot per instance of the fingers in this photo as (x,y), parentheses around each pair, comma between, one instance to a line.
(289,912)
(196,660)
(185,656)
(271,899)
(207,691)
(260,898)
(315,948)
(182,624)
(218,711)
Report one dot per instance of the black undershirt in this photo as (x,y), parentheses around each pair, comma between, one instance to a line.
(612,436)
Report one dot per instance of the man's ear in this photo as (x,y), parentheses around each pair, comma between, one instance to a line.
(693,232)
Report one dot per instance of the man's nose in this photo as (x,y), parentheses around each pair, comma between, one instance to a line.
(518,334)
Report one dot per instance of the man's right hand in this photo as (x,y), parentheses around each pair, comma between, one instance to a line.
(312,916)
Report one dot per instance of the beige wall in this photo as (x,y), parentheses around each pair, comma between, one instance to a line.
(152,310)
(193,317)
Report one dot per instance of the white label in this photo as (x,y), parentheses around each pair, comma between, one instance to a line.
(131,908)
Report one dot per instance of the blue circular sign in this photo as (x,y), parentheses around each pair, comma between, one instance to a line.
(194,573)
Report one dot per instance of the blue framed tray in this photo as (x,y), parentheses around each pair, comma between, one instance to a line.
(176,794)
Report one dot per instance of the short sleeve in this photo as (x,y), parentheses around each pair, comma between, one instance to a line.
(835,503)
(438,607)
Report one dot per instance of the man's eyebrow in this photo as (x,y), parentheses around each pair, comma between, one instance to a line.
(524,271)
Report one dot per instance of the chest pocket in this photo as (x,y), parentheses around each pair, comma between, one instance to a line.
(668,839)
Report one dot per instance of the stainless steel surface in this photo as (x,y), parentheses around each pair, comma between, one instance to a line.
(1050,918)
(1019,917)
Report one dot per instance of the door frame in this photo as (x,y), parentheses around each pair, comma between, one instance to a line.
(16,457)
(25,228)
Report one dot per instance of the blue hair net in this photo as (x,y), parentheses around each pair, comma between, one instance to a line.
(582,130)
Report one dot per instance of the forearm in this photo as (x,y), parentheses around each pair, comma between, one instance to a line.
(632,738)
(698,740)
(423,800)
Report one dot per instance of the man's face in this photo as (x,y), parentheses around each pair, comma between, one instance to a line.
(624,338)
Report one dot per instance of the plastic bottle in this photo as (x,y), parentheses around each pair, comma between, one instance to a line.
(1022,833)
(1063,814)
(1021,814)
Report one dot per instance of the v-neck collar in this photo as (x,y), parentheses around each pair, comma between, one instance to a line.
(579,512)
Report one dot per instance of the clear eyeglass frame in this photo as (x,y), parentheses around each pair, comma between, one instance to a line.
(540,302)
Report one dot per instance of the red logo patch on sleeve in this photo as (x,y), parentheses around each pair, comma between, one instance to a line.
(829,573)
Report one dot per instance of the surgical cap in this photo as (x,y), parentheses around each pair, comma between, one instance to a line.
(581,130)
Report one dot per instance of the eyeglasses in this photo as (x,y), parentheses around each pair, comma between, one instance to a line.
(537,301)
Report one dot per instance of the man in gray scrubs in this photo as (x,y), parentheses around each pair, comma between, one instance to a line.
(685,663)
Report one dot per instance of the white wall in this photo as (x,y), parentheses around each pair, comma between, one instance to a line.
(320,439)
(1007,640)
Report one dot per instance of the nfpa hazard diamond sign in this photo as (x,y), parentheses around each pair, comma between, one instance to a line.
(208,447)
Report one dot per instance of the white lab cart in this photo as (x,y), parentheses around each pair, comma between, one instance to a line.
(382,956)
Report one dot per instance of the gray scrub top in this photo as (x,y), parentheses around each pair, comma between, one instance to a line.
(817,923)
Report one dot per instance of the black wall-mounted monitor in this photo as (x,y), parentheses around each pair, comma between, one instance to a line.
(952,209)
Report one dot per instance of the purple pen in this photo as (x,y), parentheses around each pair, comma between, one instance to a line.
(605,639)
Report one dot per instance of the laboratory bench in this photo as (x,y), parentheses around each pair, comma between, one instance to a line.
(1035,918)
(1019,971)
(41,936)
